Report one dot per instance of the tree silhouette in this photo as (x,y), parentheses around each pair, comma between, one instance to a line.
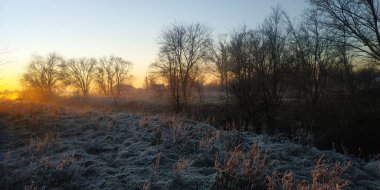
(44,74)
(314,56)
(358,20)
(221,58)
(183,48)
(79,73)
(112,74)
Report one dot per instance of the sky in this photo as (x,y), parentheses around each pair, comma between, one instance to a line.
(126,28)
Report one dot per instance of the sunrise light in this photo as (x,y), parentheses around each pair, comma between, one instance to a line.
(190,94)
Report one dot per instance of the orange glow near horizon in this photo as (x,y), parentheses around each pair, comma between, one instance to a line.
(75,29)
(9,96)
(10,77)
(10,84)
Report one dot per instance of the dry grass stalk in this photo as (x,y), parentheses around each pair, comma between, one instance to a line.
(42,144)
(272,180)
(180,166)
(157,135)
(60,164)
(146,186)
(174,125)
(234,159)
(157,162)
(324,177)
(209,138)
(167,121)
(329,177)
(243,170)
(256,163)
(287,181)
(178,132)
(144,122)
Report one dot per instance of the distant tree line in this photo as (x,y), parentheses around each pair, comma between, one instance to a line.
(46,76)
(332,52)
(320,71)
(317,79)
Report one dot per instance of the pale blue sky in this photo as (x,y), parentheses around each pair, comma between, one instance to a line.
(129,28)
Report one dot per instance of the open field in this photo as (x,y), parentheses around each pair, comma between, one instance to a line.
(52,147)
(236,95)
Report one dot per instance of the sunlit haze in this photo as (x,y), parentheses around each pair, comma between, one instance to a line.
(128,29)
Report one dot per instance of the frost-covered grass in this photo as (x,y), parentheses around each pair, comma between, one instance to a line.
(44,146)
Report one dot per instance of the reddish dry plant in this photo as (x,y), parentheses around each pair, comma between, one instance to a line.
(251,166)
(209,138)
(167,121)
(60,164)
(329,177)
(144,122)
(19,108)
(155,169)
(242,170)
(176,126)
(256,163)
(233,161)
(146,186)
(157,135)
(157,162)
(113,122)
(272,180)
(287,180)
(106,120)
(41,145)
(178,131)
(180,166)
(324,177)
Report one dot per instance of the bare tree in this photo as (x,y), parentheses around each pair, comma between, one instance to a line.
(183,48)
(256,62)
(112,74)
(221,56)
(358,20)
(44,74)
(79,73)
(344,63)
(314,56)
(270,70)
(246,51)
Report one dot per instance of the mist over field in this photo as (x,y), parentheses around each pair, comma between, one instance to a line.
(288,100)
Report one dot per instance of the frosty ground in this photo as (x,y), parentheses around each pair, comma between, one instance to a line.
(50,147)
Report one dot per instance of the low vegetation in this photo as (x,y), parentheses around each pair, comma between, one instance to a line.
(102,149)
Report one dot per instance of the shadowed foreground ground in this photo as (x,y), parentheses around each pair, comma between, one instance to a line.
(50,147)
